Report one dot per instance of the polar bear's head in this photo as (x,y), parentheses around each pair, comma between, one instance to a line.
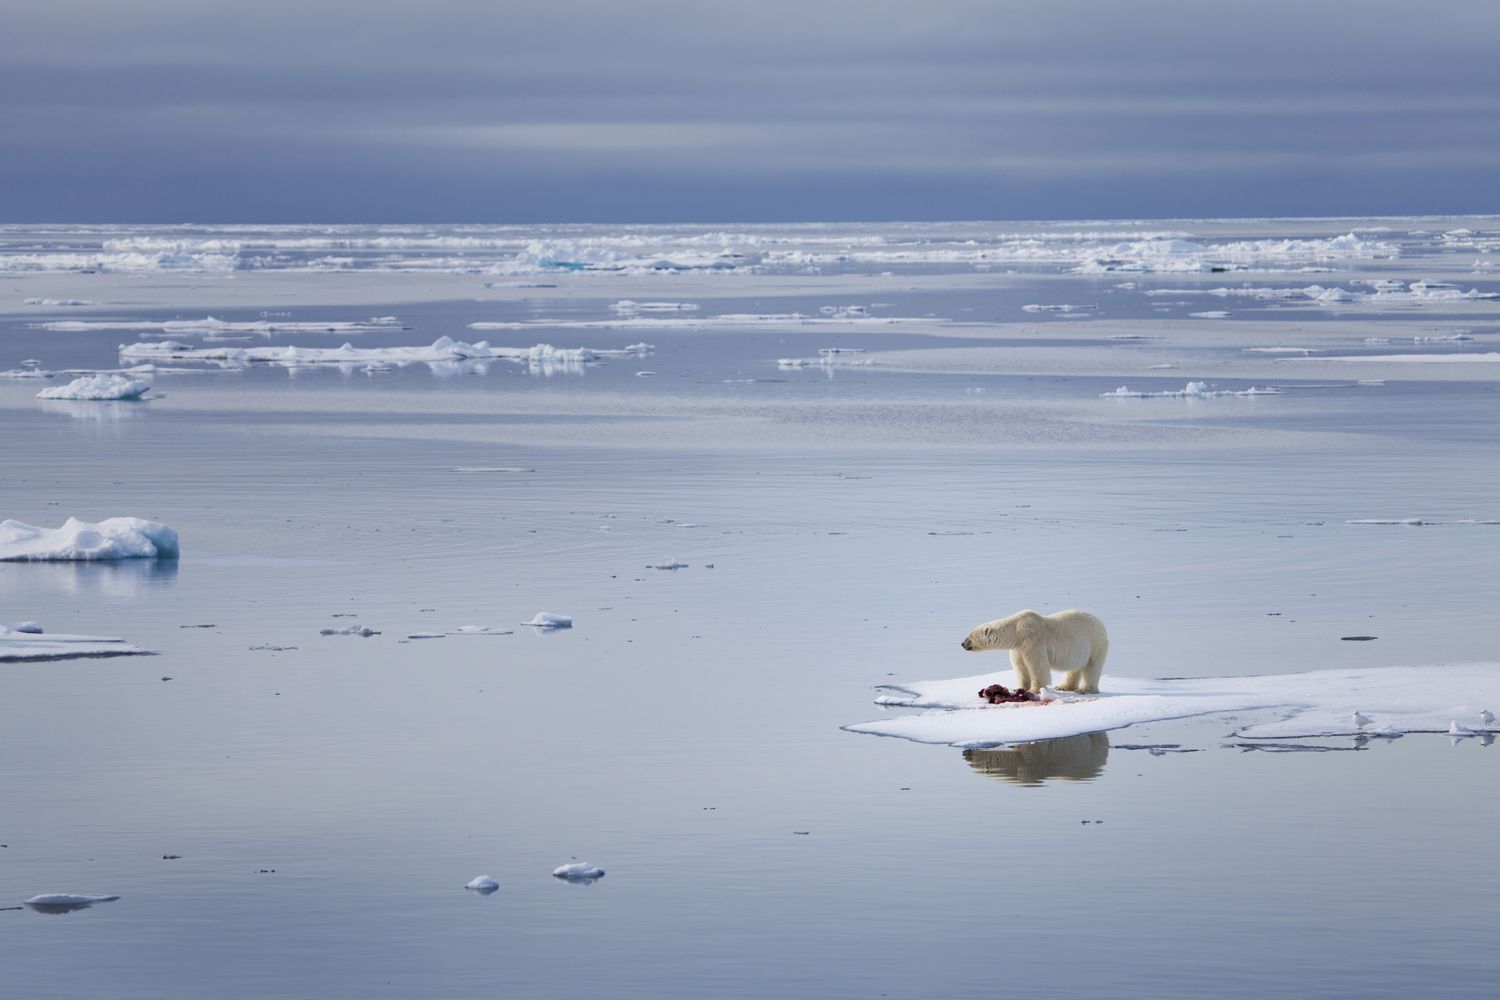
(1002,633)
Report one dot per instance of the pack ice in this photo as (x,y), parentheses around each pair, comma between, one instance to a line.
(20,643)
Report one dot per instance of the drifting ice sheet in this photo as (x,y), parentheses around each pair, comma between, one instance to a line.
(442,349)
(1424,699)
(113,538)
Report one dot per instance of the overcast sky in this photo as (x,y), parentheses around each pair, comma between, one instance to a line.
(658,110)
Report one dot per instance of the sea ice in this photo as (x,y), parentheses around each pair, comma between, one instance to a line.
(632,306)
(442,349)
(1193,390)
(112,538)
(483,884)
(580,871)
(482,630)
(63,902)
(213,325)
(102,386)
(359,630)
(547,620)
(26,641)
(1318,703)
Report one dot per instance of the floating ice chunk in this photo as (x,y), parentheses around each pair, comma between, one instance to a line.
(1314,704)
(112,538)
(1281,350)
(58,302)
(669,565)
(1063,308)
(28,369)
(483,885)
(359,630)
(1489,358)
(632,306)
(1193,390)
(482,630)
(547,620)
(491,468)
(99,387)
(427,635)
(1456,728)
(440,350)
(580,871)
(27,642)
(64,902)
(1213,314)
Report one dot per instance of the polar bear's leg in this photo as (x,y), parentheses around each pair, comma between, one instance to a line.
(1089,675)
(1037,674)
(1023,671)
(1070,680)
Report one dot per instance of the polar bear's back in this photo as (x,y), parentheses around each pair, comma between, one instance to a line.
(1077,636)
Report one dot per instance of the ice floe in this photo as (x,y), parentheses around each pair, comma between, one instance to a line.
(546,620)
(101,386)
(440,350)
(58,302)
(211,325)
(364,631)
(1482,358)
(1418,699)
(1382,293)
(736,320)
(64,902)
(1063,308)
(483,884)
(27,642)
(112,538)
(632,306)
(580,871)
(1193,390)
(482,630)
(1417,522)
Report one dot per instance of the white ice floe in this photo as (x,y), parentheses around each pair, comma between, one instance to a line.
(28,369)
(578,872)
(736,320)
(1213,314)
(491,468)
(1321,703)
(26,641)
(442,349)
(547,620)
(58,302)
(1061,308)
(427,635)
(112,538)
(1418,522)
(1382,293)
(828,357)
(481,630)
(632,306)
(62,902)
(101,386)
(483,884)
(1281,350)
(212,325)
(360,630)
(1488,358)
(1193,390)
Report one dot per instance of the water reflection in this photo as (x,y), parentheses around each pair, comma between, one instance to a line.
(1075,758)
(117,579)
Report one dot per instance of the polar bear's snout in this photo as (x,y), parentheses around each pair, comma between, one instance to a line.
(968,643)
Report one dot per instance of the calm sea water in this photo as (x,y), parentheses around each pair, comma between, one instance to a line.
(325,801)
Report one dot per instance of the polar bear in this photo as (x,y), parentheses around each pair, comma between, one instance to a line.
(1073,641)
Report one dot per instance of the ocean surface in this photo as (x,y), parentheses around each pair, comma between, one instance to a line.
(854,443)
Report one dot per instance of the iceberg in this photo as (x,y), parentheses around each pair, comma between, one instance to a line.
(547,620)
(113,538)
(101,386)
(580,871)
(1413,699)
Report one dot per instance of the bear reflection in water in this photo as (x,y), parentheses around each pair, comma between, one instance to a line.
(1074,758)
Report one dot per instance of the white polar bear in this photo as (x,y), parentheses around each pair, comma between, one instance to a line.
(1074,641)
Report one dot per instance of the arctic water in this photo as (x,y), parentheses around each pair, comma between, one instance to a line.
(789,465)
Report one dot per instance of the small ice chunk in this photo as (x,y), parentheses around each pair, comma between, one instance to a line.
(547,620)
(427,635)
(102,386)
(1458,729)
(580,871)
(483,884)
(63,902)
(482,630)
(674,565)
(33,628)
(359,630)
